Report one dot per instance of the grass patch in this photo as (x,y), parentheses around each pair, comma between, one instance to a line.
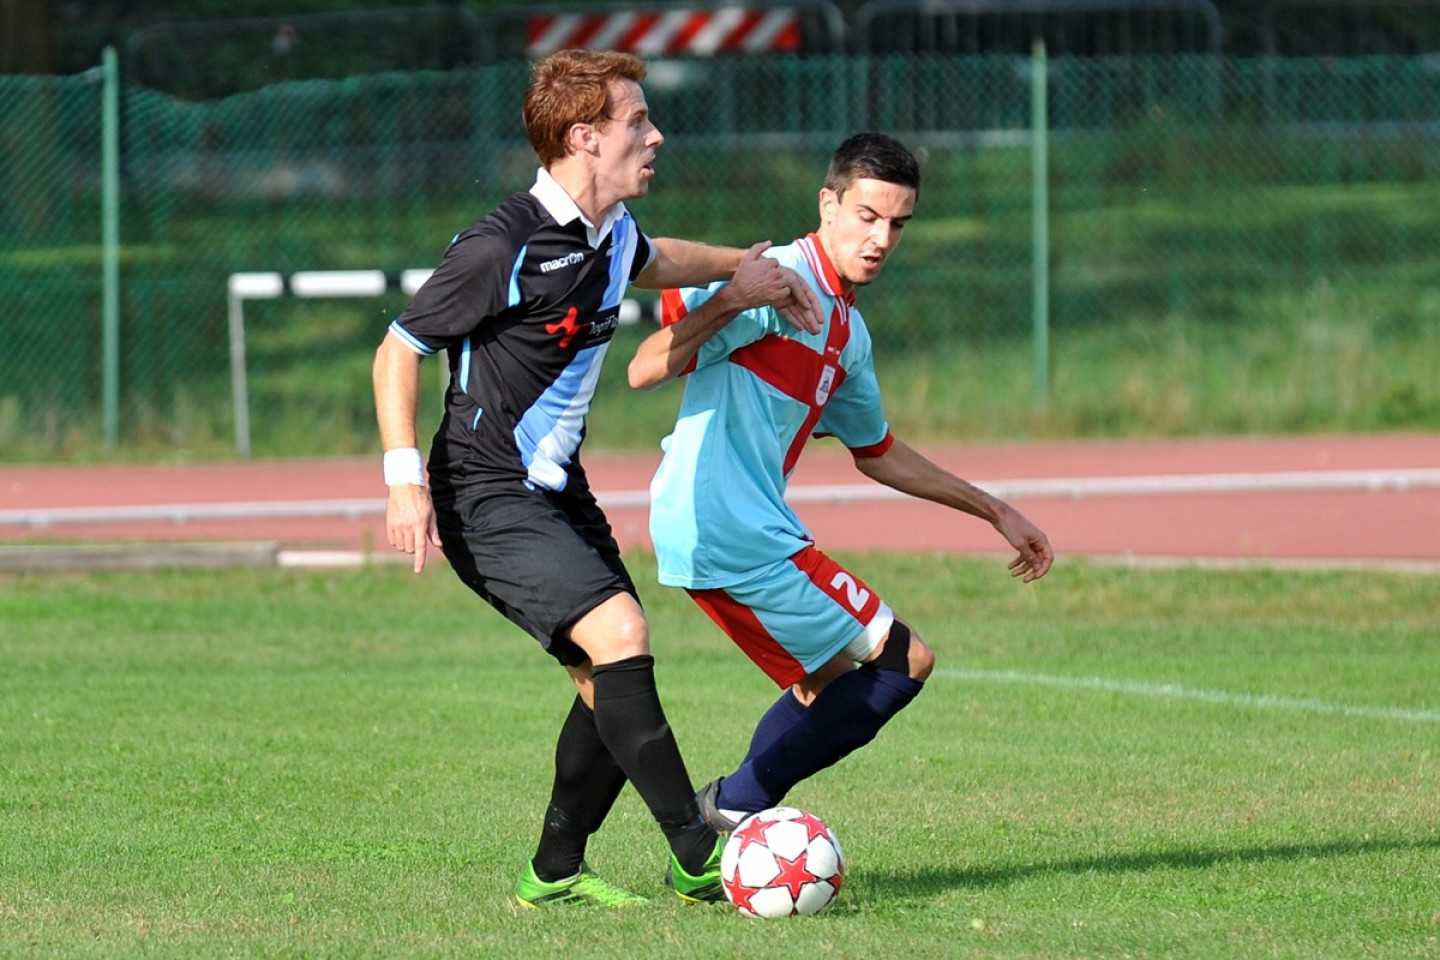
(1112,762)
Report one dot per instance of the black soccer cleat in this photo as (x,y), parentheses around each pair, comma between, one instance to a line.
(708,799)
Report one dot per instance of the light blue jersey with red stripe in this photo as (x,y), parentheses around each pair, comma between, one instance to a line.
(754,394)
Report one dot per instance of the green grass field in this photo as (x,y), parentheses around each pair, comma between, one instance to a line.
(1110,763)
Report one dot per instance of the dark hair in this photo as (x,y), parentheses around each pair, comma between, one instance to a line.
(872,156)
(569,87)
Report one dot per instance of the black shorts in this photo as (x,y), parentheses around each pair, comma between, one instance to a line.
(542,559)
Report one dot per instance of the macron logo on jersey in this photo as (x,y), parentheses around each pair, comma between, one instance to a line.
(560,263)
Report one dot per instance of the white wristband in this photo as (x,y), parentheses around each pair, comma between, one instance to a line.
(404,466)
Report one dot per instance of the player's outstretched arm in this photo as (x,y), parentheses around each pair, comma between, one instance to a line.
(662,356)
(409,514)
(905,469)
(682,263)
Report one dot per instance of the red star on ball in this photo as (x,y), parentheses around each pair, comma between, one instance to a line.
(794,874)
(754,832)
(741,895)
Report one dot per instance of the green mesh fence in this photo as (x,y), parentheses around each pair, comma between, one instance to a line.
(1196,188)
(49,256)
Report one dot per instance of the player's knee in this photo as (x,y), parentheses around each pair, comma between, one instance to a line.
(632,636)
(904,652)
(615,630)
(922,658)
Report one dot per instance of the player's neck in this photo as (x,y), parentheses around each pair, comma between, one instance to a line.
(579,181)
(846,287)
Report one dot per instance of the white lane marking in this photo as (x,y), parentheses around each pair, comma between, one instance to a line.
(1374,481)
(1174,691)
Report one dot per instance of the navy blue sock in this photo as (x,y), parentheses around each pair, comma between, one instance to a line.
(844,717)
(783,714)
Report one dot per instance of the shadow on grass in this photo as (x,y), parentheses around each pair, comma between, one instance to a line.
(926,882)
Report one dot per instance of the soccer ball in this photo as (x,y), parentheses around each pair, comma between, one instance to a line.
(782,862)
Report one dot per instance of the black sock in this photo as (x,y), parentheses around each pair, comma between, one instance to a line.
(632,723)
(587,781)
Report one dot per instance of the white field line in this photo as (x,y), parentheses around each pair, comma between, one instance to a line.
(191,512)
(1172,691)
(1375,481)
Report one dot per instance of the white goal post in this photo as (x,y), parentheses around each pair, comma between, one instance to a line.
(271,285)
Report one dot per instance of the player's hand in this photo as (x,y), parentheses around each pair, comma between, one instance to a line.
(802,309)
(1034,555)
(410,521)
(761,281)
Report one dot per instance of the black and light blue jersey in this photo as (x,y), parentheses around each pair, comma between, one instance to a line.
(524,304)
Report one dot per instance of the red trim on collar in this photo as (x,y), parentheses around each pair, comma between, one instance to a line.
(823,269)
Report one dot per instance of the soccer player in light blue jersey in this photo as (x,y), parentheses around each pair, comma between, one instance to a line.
(756,390)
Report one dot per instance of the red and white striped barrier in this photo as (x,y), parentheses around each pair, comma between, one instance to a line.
(689,32)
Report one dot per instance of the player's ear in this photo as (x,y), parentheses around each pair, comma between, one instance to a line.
(829,201)
(580,138)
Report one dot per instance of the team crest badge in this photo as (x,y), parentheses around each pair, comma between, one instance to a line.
(822,389)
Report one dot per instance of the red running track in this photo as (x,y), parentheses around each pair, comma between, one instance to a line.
(1329,499)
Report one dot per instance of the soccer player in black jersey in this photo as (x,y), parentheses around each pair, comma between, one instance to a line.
(524,305)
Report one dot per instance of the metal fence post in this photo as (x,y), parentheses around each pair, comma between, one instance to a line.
(1040,235)
(110,244)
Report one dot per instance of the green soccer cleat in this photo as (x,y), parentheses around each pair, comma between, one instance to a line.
(705,888)
(585,889)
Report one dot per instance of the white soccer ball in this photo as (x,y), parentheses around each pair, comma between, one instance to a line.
(782,862)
